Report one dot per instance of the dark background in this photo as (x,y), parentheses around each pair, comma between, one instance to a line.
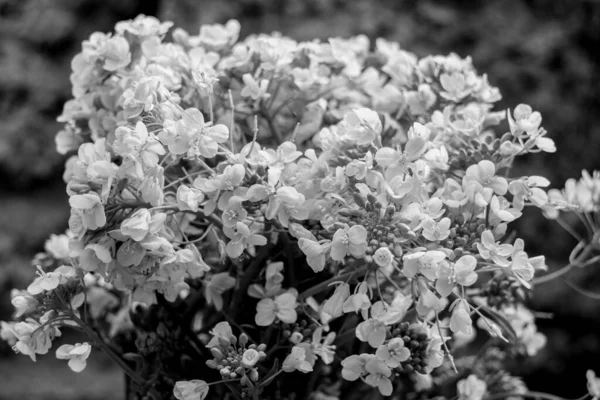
(541,52)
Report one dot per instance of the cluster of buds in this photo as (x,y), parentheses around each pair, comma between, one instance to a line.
(416,340)
(235,357)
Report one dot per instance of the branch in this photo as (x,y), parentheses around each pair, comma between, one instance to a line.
(564,270)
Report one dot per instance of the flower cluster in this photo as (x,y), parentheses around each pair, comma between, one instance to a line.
(230,360)
(315,195)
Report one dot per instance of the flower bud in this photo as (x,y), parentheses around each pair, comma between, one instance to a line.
(261,347)
(359,200)
(404,229)
(24,304)
(383,257)
(224,342)
(333,305)
(390,210)
(243,339)
(216,353)
(398,252)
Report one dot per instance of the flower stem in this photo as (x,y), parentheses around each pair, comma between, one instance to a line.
(437,321)
(534,395)
(222,381)
(323,285)
(564,270)
(268,380)
(126,368)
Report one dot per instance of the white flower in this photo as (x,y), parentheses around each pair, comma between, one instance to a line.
(283,307)
(189,198)
(250,358)
(435,231)
(464,270)
(217,36)
(593,384)
(218,284)
(460,321)
(50,281)
(24,303)
(315,253)
(190,390)
(136,226)
(358,301)
(77,355)
(58,246)
(393,353)
(471,388)
(373,330)
(333,306)
(32,339)
(425,262)
(488,249)
(255,89)
(484,173)
(296,360)
(379,376)
(384,258)
(221,330)
(90,208)
(525,120)
(362,125)
(349,241)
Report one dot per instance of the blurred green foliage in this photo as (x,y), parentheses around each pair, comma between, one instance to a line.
(540,52)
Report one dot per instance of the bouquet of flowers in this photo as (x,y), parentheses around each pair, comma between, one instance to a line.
(273,219)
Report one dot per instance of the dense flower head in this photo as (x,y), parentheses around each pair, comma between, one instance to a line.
(297,187)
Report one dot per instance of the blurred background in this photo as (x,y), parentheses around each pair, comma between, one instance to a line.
(540,52)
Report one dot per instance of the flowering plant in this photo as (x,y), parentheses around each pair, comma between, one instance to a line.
(276,219)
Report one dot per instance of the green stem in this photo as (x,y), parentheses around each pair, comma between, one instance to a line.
(564,270)
(126,368)
(268,380)
(534,395)
(222,381)
(323,285)
(450,357)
